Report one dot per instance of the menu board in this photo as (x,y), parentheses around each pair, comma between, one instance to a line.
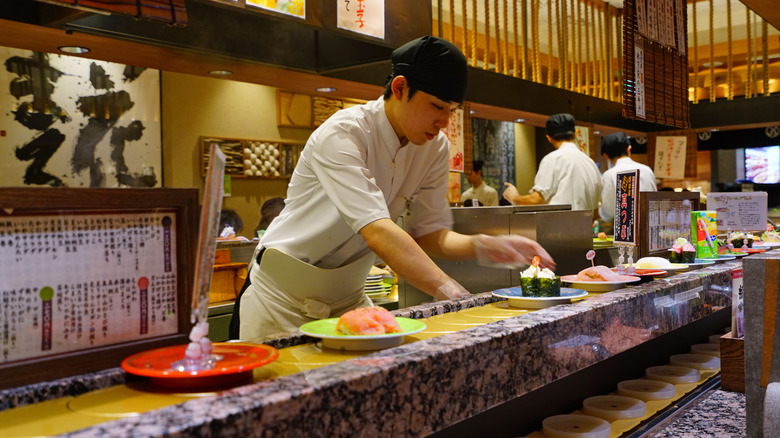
(742,211)
(71,282)
(667,220)
(626,189)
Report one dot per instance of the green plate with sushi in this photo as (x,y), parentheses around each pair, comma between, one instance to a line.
(325,329)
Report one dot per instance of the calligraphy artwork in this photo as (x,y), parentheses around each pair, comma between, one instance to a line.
(366,17)
(78,122)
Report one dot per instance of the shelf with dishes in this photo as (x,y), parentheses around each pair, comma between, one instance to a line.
(252,158)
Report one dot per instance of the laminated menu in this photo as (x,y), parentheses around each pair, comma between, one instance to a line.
(704,234)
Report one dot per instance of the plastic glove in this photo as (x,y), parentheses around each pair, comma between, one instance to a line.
(509,251)
(450,290)
(510,192)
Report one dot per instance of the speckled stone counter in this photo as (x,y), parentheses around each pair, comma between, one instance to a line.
(422,387)
(721,414)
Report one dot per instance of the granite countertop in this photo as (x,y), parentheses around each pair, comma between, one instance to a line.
(719,415)
(424,386)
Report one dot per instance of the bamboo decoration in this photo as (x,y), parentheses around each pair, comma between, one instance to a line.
(474,51)
(729,65)
(696,56)
(712,55)
(486,61)
(619,49)
(506,38)
(464,34)
(603,54)
(577,44)
(594,43)
(564,47)
(609,52)
(524,27)
(765,56)
(498,38)
(452,21)
(749,37)
(558,37)
(549,43)
(517,43)
(598,43)
(535,35)
(590,80)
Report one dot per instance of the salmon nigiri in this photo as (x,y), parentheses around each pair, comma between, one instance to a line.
(367,321)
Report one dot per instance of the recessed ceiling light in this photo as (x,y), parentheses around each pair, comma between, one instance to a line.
(76,50)
(714,129)
(520,120)
(472,111)
(597,132)
(220,72)
(326,89)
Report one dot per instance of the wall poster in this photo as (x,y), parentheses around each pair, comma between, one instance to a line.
(296,8)
(493,142)
(454,133)
(582,138)
(670,157)
(78,122)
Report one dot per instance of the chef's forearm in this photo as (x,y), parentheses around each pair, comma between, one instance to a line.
(447,244)
(397,248)
(533,198)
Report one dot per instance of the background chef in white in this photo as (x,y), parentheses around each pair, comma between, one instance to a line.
(616,148)
(359,172)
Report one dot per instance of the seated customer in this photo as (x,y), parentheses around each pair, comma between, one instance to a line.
(270,209)
(617,150)
(486,195)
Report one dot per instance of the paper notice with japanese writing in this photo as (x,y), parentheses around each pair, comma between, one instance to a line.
(626,193)
(71,282)
(639,81)
(366,17)
(739,211)
(454,133)
(737,304)
(670,157)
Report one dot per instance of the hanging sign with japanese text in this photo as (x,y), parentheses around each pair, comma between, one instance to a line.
(670,157)
(626,192)
(366,17)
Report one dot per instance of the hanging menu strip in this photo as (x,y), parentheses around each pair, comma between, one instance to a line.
(77,281)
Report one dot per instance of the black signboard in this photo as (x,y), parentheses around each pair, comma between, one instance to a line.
(626,193)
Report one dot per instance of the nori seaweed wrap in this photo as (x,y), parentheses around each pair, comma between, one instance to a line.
(541,287)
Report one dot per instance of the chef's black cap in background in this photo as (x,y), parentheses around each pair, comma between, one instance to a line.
(615,145)
(560,126)
(432,65)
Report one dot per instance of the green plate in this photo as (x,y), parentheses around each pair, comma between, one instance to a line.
(325,329)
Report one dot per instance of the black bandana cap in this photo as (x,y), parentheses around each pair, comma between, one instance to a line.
(433,65)
(560,125)
(615,144)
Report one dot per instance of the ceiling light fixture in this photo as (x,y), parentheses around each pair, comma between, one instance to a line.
(75,50)
(220,72)
(472,111)
(596,132)
(326,89)
(520,120)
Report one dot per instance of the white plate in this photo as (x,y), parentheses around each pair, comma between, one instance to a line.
(515,298)
(725,258)
(701,262)
(673,268)
(599,286)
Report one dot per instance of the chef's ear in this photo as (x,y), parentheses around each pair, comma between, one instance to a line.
(398,85)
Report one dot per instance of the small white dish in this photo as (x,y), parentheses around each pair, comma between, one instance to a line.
(516,299)
(599,286)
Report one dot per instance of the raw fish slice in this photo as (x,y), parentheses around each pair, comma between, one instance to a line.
(367,321)
(598,273)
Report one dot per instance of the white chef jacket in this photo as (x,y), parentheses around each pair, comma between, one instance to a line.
(608,180)
(568,176)
(354,171)
(485,194)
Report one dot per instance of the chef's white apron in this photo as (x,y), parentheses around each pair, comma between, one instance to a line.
(285,293)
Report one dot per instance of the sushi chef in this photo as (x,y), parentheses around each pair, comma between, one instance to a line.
(565,176)
(360,171)
(616,148)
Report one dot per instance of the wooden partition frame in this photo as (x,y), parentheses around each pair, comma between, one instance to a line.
(644,213)
(27,201)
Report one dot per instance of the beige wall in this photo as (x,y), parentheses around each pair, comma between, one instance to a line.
(525,157)
(195,106)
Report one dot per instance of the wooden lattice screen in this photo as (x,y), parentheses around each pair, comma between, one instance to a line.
(655,62)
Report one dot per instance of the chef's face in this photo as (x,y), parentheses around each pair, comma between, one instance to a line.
(424,116)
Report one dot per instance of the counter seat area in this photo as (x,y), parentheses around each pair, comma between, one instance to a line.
(426,384)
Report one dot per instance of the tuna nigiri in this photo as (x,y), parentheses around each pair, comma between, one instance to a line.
(367,321)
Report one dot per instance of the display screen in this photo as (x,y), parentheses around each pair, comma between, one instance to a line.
(762,165)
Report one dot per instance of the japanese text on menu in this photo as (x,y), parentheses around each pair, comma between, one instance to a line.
(71,282)
(625,206)
(670,157)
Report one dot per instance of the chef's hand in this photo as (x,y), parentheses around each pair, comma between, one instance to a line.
(509,251)
(450,290)
(510,192)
